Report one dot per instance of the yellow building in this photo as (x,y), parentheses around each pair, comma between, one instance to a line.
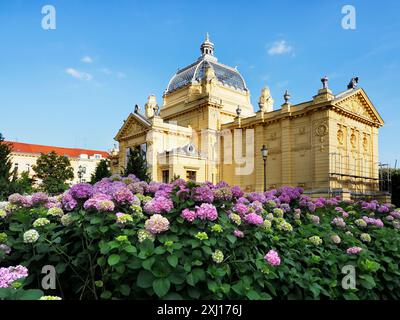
(206,130)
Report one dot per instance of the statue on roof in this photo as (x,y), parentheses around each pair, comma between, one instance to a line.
(266,103)
(353,83)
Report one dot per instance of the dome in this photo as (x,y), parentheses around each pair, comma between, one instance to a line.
(195,72)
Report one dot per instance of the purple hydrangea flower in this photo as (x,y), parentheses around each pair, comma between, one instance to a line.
(159,205)
(81,191)
(188,215)
(272,258)
(123,196)
(206,211)
(253,218)
(68,202)
(39,198)
(203,194)
(11,274)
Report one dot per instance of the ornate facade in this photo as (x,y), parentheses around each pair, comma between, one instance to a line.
(206,130)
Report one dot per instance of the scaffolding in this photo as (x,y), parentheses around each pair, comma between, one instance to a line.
(362,177)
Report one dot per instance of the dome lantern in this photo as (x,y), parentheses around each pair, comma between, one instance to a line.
(207,47)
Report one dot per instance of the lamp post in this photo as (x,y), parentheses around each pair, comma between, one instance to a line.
(264,153)
(81,172)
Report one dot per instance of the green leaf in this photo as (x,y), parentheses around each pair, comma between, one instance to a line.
(172,260)
(96,220)
(198,275)
(6,293)
(161,286)
(232,239)
(30,294)
(124,289)
(134,263)
(148,263)
(106,295)
(42,248)
(212,286)
(177,277)
(172,296)
(194,292)
(367,281)
(160,250)
(145,279)
(253,295)
(113,259)
(130,249)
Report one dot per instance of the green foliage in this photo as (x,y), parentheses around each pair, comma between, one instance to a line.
(137,164)
(5,168)
(17,292)
(102,171)
(96,258)
(23,184)
(53,170)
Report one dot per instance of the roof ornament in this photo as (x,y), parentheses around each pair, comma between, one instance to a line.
(238,111)
(286,96)
(207,47)
(265,102)
(136,108)
(324,81)
(353,83)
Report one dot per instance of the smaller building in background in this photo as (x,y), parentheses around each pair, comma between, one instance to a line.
(83,161)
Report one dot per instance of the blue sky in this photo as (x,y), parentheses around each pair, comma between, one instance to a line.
(75,85)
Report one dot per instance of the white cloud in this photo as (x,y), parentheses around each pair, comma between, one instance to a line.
(279,47)
(87,59)
(78,74)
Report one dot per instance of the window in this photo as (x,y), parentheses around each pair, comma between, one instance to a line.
(191,175)
(165,176)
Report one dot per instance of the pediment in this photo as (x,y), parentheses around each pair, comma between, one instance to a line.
(134,125)
(357,103)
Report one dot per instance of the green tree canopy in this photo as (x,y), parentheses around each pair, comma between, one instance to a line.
(53,171)
(137,164)
(102,171)
(6,174)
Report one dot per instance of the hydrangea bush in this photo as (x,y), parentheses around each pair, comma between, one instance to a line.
(122,238)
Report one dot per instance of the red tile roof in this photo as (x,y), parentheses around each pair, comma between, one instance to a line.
(21,147)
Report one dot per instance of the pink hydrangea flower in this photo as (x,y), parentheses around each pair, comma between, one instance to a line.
(207,211)
(272,258)
(156,224)
(254,218)
(188,215)
(238,233)
(11,274)
(354,250)
(159,205)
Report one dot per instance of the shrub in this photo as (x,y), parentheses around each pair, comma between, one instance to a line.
(126,239)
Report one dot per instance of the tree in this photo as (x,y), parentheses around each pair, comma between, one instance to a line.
(102,171)
(5,168)
(137,164)
(53,171)
(24,184)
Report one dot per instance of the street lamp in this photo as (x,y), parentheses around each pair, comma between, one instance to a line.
(264,153)
(81,172)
